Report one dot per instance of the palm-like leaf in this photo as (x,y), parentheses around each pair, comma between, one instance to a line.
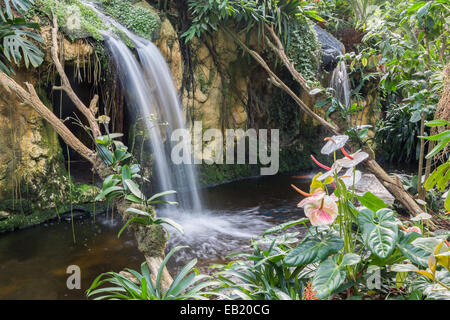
(17,44)
(20,5)
(187,285)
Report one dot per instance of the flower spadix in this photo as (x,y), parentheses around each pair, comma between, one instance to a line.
(320,208)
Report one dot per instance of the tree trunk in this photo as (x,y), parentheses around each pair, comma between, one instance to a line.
(420,188)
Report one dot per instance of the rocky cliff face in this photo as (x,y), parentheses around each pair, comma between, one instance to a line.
(32,171)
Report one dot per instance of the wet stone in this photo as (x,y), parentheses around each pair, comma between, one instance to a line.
(370,183)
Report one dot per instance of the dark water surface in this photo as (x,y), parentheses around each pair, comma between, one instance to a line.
(33,262)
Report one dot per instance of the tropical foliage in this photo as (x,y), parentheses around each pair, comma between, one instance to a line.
(348,250)
(19,44)
(188,284)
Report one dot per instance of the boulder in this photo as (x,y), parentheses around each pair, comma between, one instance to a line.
(370,183)
(332,48)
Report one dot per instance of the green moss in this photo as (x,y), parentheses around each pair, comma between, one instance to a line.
(220,173)
(303,49)
(23,220)
(64,11)
(138,19)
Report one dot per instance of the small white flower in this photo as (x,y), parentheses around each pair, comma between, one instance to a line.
(421,216)
(335,169)
(348,179)
(358,157)
(334,143)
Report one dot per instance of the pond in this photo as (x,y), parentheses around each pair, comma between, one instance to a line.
(34,261)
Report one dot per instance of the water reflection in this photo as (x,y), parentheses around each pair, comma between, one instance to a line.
(34,261)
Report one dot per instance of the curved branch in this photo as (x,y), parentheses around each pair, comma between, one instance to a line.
(30,97)
(279,50)
(331,128)
(87,112)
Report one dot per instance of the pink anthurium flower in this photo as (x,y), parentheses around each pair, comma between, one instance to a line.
(320,208)
(411,229)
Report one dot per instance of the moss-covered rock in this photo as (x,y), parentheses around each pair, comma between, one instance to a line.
(303,48)
(139,17)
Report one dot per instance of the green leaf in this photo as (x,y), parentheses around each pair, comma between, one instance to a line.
(441,136)
(125,226)
(416,116)
(415,254)
(371,201)
(379,231)
(285,225)
(134,188)
(435,123)
(104,154)
(139,212)
(110,181)
(441,145)
(18,46)
(108,191)
(170,222)
(313,249)
(133,198)
(106,140)
(329,276)
(350,259)
(404,268)
(20,5)
(158,195)
(126,173)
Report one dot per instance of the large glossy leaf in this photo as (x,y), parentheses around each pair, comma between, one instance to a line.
(350,259)
(415,254)
(20,5)
(329,276)
(379,231)
(19,46)
(108,191)
(371,201)
(314,249)
(134,188)
(170,222)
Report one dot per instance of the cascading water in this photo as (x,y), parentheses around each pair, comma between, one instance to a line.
(150,90)
(341,84)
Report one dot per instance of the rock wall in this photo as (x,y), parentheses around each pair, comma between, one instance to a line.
(33,177)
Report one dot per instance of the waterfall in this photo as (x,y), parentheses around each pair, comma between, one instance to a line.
(341,83)
(149,89)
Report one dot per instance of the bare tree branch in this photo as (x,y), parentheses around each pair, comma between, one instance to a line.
(30,97)
(87,112)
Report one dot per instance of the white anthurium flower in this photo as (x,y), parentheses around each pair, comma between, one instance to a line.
(335,169)
(334,143)
(357,157)
(421,216)
(348,179)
